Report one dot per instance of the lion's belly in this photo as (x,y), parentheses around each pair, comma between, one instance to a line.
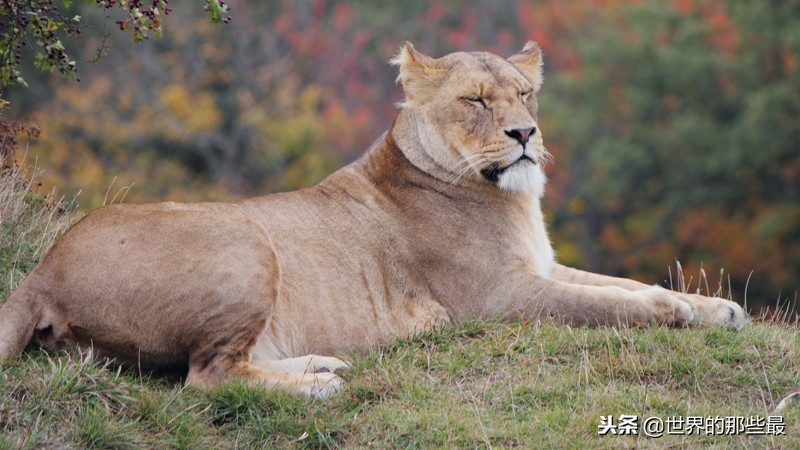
(331,303)
(358,326)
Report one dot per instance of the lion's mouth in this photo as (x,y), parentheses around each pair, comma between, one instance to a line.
(493,172)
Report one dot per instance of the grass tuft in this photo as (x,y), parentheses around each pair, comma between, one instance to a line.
(29,224)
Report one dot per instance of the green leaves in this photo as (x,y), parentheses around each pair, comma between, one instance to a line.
(216,10)
(42,23)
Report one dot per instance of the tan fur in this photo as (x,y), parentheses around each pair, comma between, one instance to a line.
(439,222)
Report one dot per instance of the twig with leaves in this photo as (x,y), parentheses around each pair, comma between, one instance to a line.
(40,25)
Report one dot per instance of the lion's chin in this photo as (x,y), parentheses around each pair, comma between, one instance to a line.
(524,176)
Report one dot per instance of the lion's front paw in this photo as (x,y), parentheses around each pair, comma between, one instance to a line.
(717,311)
(668,309)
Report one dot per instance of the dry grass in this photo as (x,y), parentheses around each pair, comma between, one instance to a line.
(29,224)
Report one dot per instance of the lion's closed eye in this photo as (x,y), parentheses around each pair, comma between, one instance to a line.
(525,95)
(475,100)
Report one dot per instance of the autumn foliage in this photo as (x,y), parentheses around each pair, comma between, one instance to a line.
(673,124)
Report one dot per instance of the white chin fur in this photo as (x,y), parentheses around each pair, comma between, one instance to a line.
(525,177)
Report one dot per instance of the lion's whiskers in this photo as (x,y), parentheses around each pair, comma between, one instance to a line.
(470,160)
(544,156)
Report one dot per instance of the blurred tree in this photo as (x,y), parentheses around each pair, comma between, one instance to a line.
(273,103)
(682,120)
(671,122)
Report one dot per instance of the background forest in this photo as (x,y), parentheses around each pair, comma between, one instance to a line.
(675,125)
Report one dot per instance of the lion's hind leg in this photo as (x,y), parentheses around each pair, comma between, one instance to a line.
(316,385)
(305,364)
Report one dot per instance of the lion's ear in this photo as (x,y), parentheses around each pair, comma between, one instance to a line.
(529,63)
(419,73)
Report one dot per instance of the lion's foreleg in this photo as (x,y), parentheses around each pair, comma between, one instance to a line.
(576,304)
(710,310)
(716,311)
(575,276)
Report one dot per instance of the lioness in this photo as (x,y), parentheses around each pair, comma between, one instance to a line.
(439,222)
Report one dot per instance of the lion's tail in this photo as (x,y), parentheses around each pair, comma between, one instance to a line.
(18,318)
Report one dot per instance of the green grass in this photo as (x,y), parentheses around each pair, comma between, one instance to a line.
(486,384)
(479,385)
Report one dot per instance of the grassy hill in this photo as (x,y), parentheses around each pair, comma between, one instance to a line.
(483,384)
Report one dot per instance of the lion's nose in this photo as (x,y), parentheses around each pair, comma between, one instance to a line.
(521,134)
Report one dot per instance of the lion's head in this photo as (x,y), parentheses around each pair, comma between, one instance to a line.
(476,115)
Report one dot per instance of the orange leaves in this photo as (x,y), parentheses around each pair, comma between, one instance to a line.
(435,13)
(724,35)
(734,243)
(342,17)
(711,231)
(684,6)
